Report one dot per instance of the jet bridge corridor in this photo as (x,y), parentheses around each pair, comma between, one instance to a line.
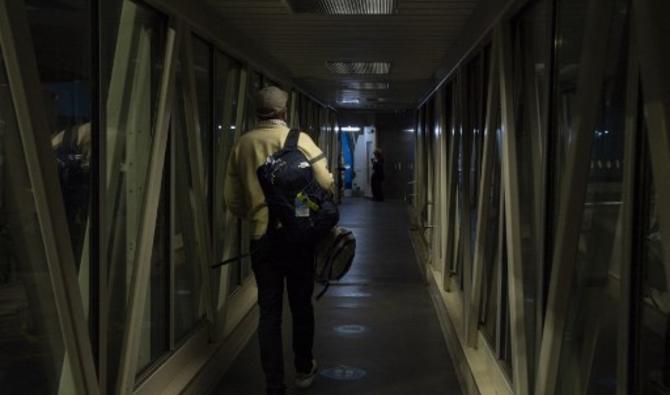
(518,241)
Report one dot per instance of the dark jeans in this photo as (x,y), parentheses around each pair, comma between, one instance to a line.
(272,262)
(377,189)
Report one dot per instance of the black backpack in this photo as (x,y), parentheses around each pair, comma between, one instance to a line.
(295,199)
(71,169)
(74,176)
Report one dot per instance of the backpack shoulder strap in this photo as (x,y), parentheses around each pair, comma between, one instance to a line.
(292,139)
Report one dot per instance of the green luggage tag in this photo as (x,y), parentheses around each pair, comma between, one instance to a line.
(303,204)
(301,209)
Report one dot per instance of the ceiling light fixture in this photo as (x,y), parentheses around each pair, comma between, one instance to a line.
(343,7)
(368,86)
(359,67)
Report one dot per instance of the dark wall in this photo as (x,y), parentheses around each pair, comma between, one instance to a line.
(396,142)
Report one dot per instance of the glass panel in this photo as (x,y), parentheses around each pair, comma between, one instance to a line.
(654,331)
(493,276)
(452,165)
(310,118)
(476,97)
(185,247)
(302,113)
(137,64)
(61,36)
(316,121)
(571,17)
(291,108)
(30,335)
(226,88)
(531,47)
(155,325)
(505,338)
(428,124)
(589,349)
(462,203)
(425,134)
(253,86)
(245,245)
(202,59)
(236,250)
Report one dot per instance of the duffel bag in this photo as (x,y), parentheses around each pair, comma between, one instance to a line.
(334,256)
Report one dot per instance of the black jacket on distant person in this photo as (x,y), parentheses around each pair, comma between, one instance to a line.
(377,178)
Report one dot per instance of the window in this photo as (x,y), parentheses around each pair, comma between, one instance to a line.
(493,280)
(31,339)
(531,52)
(589,348)
(186,248)
(654,309)
(202,59)
(226,232)
(131,105)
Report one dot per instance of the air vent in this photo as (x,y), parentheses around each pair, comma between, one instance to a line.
(343,7)
(368,86)
(359,67)
(50,5)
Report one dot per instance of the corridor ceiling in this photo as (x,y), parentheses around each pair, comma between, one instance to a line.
(414,40)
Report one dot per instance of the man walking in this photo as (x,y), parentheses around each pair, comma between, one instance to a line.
(273,259)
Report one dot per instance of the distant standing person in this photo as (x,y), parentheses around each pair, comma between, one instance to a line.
(377,176)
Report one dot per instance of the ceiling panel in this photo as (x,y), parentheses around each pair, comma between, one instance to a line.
(414,40)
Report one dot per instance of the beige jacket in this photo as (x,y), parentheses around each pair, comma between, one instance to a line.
(242,191)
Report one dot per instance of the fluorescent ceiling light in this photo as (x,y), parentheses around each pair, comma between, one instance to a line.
(359,67)
(368,86)
(350,101)
(343,7)
(350,129)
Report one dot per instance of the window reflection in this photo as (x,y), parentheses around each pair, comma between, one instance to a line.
(131,103)
(476,98)
(186,249)
(155,324)
(531,50)
(589,349)
(202,59)
(254,84)
(462,248)
(61,37)
(30,335)
(654,331)
(493,277)
(452,168)
(226,235)
(429,154)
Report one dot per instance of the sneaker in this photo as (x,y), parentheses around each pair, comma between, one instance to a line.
(305,380)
